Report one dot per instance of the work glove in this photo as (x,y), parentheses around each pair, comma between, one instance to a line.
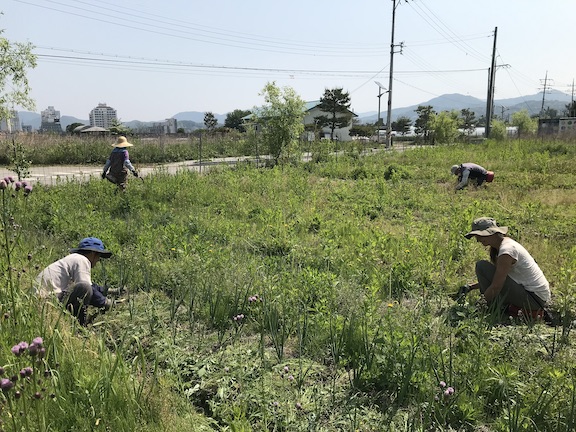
(107,304)
(103,175)
(135,173)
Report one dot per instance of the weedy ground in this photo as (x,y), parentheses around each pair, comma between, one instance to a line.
(308,297)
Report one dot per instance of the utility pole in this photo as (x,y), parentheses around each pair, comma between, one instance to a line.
(490,97)
(544,95)
(390,80)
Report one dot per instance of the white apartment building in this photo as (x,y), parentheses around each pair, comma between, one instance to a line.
(103,116)
(50,120)
(171,126)
(50,115)
(12,124)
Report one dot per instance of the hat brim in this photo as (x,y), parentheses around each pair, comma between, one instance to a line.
(122,145)
(102,253)
(487,232)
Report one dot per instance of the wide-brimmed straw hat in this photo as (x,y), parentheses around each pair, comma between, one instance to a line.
(92,244)
(485,226)
(122,142)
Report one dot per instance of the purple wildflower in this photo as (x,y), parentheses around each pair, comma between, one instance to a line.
(3,184)
(17,394)
(22,373)
(6,384)
(33,349)
(16,350)
(27,189)
(286,368)
(28,371)
(290,377)
(41,352)
(38,341)
(11,179)
(18,185)
(442,384)
(298,405)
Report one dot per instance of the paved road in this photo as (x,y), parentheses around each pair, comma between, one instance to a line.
(53,174)
(50,175)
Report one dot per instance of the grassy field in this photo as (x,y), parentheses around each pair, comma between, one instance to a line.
(298,298)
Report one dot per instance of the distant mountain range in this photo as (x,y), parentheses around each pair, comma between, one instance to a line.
(191,120)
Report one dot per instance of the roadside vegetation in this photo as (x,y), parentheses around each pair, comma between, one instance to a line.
(307,296)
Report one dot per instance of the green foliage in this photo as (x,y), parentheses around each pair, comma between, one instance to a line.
(15,58)
(425,121)
(234,119)
(498,130)
(210,121)
(336,104)
(445,127)
(402,125)
(308,297)
(281,121)
(526,125)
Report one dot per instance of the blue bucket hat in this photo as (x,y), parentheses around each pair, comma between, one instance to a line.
(92,244)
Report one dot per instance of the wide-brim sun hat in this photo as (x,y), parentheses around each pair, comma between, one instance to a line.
(92,244)
(454,169)
(122,142)
(485,226)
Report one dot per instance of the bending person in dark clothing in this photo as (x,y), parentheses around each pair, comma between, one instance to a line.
(470,172)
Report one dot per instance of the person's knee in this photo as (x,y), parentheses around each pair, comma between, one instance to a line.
(83,291)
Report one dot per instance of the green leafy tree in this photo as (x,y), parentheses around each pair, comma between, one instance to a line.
(445,126)
(525,124)
(362,130)
(550,113)
(118,128)
(234,119)
(15,59)
(210,121)
(402,125)
(425,120)
(70,128)
(336,103)
(468,121)
(498,130)
(570,110)
(280,121)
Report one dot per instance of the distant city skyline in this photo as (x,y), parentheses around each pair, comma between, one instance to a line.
(148,59)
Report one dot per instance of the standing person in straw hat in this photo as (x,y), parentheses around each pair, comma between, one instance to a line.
(70,280)
(511,278)
(118,164)
(471,172)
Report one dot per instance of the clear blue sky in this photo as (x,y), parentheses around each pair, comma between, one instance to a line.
(152,59)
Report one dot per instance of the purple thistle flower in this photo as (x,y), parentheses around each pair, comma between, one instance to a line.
(27,189)
(11,179)
(298,405)
(28,371)
(286,368)
(22,373)
(450,390)
(290,377)
(6,180)
(18,185)
(33,349)
(41,352)
(6,384)
(3,184)
(38,341)
(16,350)
(17,394)
(442,384)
